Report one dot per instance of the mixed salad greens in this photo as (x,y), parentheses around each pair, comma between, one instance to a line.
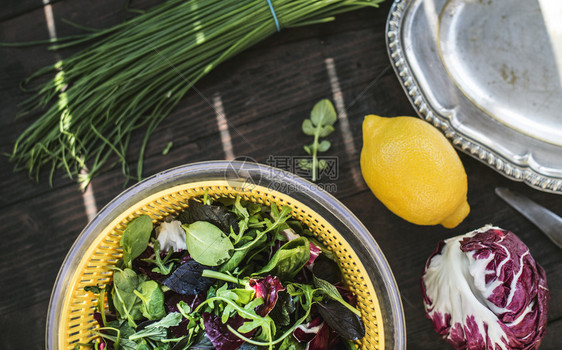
(225,274)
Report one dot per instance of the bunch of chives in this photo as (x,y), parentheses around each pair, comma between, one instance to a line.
(133,74)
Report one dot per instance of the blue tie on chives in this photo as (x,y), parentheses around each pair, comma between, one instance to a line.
(274,15)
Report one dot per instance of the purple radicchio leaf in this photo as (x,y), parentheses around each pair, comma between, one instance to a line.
(275,248)
(290,235)
(346,294)
(185,257)
(326,338)
(267,288)
(305,333)
(484,290)
(188,279)
(221,337)
(314,253)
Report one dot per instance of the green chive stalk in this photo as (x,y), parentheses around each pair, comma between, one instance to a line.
(133,74)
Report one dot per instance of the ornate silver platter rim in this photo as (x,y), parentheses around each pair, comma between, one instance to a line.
(523,169)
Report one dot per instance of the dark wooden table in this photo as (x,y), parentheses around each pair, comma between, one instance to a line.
(265,94)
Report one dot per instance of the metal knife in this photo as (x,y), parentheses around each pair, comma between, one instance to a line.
(544,219)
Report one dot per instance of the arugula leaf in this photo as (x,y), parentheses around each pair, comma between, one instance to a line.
(290,343)
(161,267)
(279,217)
(306,295)
(170,320)
(135,238)
(234,261)
(240,296)
(207,244)
(320,124)
(244,217)
(158,330)
(265,324)
(331,291)
(288,260)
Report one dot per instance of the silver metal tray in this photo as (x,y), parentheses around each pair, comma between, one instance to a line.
(488,74)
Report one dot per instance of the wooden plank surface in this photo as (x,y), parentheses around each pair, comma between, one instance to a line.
(265,92)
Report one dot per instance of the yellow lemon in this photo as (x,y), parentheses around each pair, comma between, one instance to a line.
(414,170)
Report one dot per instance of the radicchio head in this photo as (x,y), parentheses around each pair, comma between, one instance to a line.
(483,290)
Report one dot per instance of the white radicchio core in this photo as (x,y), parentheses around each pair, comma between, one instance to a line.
(171,236)
(484,290)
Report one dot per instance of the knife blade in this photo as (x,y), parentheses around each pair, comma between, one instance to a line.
(544,219)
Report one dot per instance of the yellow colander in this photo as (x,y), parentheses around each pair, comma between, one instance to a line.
(364,268)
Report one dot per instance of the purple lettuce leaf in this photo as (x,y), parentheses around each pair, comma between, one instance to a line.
(221,337)
(326,269)
(304,276)
(216,214)
(145,267)
(188,279)
(171,300)
(346,294)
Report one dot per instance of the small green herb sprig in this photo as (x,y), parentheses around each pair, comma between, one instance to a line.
(320,124)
